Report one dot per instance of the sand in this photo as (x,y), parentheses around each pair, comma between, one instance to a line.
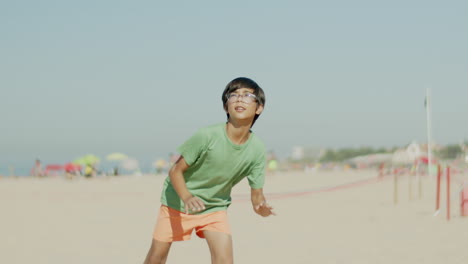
(322,218)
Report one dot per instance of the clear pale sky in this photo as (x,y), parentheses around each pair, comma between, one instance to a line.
(140,77)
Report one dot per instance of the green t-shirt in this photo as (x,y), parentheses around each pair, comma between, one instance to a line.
(215,166)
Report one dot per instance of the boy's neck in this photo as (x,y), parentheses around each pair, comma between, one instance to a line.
(238,133)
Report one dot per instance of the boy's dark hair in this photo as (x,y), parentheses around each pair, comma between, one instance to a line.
(243,82)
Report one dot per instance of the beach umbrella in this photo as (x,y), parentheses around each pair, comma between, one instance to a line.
(72,167)
(88,159)
(55,168)
(116,156)
(79,161)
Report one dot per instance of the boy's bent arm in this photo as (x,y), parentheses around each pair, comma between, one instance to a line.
(176,175)
(259,203)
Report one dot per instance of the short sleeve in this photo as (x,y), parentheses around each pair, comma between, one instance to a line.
(193,147)
(257,174)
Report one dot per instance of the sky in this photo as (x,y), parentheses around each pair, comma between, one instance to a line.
(140,77)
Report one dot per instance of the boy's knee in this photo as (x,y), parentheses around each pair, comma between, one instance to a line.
(157,253)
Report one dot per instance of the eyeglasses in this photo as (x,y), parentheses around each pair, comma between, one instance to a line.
(246,98)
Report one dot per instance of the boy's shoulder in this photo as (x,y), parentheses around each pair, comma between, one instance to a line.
(257,141)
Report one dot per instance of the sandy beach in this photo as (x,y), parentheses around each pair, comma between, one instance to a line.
(322,217)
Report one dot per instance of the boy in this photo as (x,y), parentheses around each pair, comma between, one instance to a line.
(197,192)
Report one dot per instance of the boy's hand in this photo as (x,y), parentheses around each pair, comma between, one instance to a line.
(193,204)
(264,209)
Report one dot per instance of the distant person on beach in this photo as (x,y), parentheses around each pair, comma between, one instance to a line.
(90,171)
(272,163)
(197,192)
(161,166)
(37,170)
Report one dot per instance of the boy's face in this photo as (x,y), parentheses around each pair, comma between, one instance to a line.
(242,105)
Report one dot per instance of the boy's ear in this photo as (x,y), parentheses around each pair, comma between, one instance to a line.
(259,109)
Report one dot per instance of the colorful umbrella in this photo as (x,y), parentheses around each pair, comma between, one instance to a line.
(72,167)
(79,161)
(87,160)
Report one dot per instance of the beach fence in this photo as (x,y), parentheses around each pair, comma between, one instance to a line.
(464,200)
(413,175)
(444,174)
(463,192)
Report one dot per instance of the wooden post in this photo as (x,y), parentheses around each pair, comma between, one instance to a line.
(381,169)
(395,187)
(464,200)
(418,177)
(410,186)
(439,172)
(448,193)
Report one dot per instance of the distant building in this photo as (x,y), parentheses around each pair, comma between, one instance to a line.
(297,153)
(301,153)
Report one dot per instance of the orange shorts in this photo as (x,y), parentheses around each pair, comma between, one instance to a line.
(173,225)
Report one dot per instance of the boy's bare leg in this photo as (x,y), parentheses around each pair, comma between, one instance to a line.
(220,245)
(158,252)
